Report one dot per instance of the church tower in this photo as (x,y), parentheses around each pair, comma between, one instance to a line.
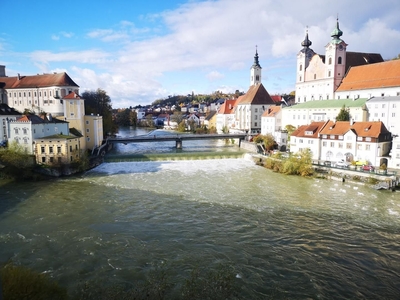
(303,59)
(335,57)
(255,71)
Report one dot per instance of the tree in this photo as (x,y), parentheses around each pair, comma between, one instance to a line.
(99,103)
(177,117)
(127,117)
(344,114)
(267,140)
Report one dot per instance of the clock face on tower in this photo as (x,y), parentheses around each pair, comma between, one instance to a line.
(340,47)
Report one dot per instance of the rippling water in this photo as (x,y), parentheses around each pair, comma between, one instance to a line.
(285,236)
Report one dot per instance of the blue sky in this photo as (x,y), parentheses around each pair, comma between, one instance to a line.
(140,51)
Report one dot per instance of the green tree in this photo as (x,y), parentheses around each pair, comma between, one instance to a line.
(267,140)
(344,114)
(182,126)
(99,103)
(127,117)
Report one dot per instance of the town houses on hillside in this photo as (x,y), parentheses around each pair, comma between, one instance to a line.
(54,126)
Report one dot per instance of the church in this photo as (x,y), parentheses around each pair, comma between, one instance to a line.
(319,76)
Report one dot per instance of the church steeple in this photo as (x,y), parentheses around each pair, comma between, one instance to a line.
(255,71)
(306,43)
(336,34)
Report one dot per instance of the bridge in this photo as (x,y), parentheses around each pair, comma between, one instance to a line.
(178,138)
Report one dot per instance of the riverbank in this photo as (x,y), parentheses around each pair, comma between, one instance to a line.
(375,180)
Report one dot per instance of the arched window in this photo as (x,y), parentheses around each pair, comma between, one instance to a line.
(315,76)
(257,77)
(330,60)
(301,67)
(339,60)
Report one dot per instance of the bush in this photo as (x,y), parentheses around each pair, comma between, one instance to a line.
(21,283)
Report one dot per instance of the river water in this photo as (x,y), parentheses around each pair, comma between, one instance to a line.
(284,236)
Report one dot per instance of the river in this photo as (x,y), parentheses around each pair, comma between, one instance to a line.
(282,236)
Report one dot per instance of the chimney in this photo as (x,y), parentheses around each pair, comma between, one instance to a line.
(19,76)
(2,71)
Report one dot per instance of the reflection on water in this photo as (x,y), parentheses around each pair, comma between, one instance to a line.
(285,236)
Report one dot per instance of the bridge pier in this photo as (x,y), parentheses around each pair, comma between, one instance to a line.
(178,144)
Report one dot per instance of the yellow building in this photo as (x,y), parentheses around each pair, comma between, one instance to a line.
(57,149)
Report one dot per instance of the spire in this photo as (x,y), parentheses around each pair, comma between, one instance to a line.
(256,62)
(306,43)
(336,33)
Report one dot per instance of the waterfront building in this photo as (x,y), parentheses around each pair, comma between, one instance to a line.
(271,123)
(226,115)
(7,114)
(57,149)
(307,137)
(27,128)
(347,140)
(387,110)
(210,119)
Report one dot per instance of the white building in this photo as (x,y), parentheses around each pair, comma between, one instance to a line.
(30,127)
(7,114)
(226,115)
(316,111)
(38,93)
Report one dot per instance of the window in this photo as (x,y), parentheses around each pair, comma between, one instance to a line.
(70,148)
(255,124)
(51,159)
(16,130)
(42,149)
(43,159)
(315,76)
(330,61)
(339,61)
(311,142)
(348,145)
(24,130)
(76,147)
(383,105)
(340,145)
(256,110)
(59,159)
(332,144)
(301,68)
(359,146)
(367,147)
(332,136)
(51,149)
(301,141)
(329,73)
(87,122)
(393,114)
(58,149)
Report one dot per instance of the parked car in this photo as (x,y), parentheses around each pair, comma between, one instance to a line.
(368,168)
(342,164)
(327,163)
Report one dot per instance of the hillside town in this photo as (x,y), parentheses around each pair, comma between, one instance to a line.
(363,84)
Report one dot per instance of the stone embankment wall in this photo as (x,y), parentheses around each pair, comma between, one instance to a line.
(249,146)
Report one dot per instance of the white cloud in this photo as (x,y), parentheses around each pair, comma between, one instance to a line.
(214,75)
(215,38)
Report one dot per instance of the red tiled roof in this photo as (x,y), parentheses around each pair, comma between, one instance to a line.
(314,128)
(257,95)
(72,95)
(271,111)
(362,129)
(45,80)
(379,75)
(227,107)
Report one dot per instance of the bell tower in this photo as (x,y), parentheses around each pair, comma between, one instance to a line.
(255,71)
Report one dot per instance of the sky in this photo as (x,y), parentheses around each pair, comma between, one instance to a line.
(141,51)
